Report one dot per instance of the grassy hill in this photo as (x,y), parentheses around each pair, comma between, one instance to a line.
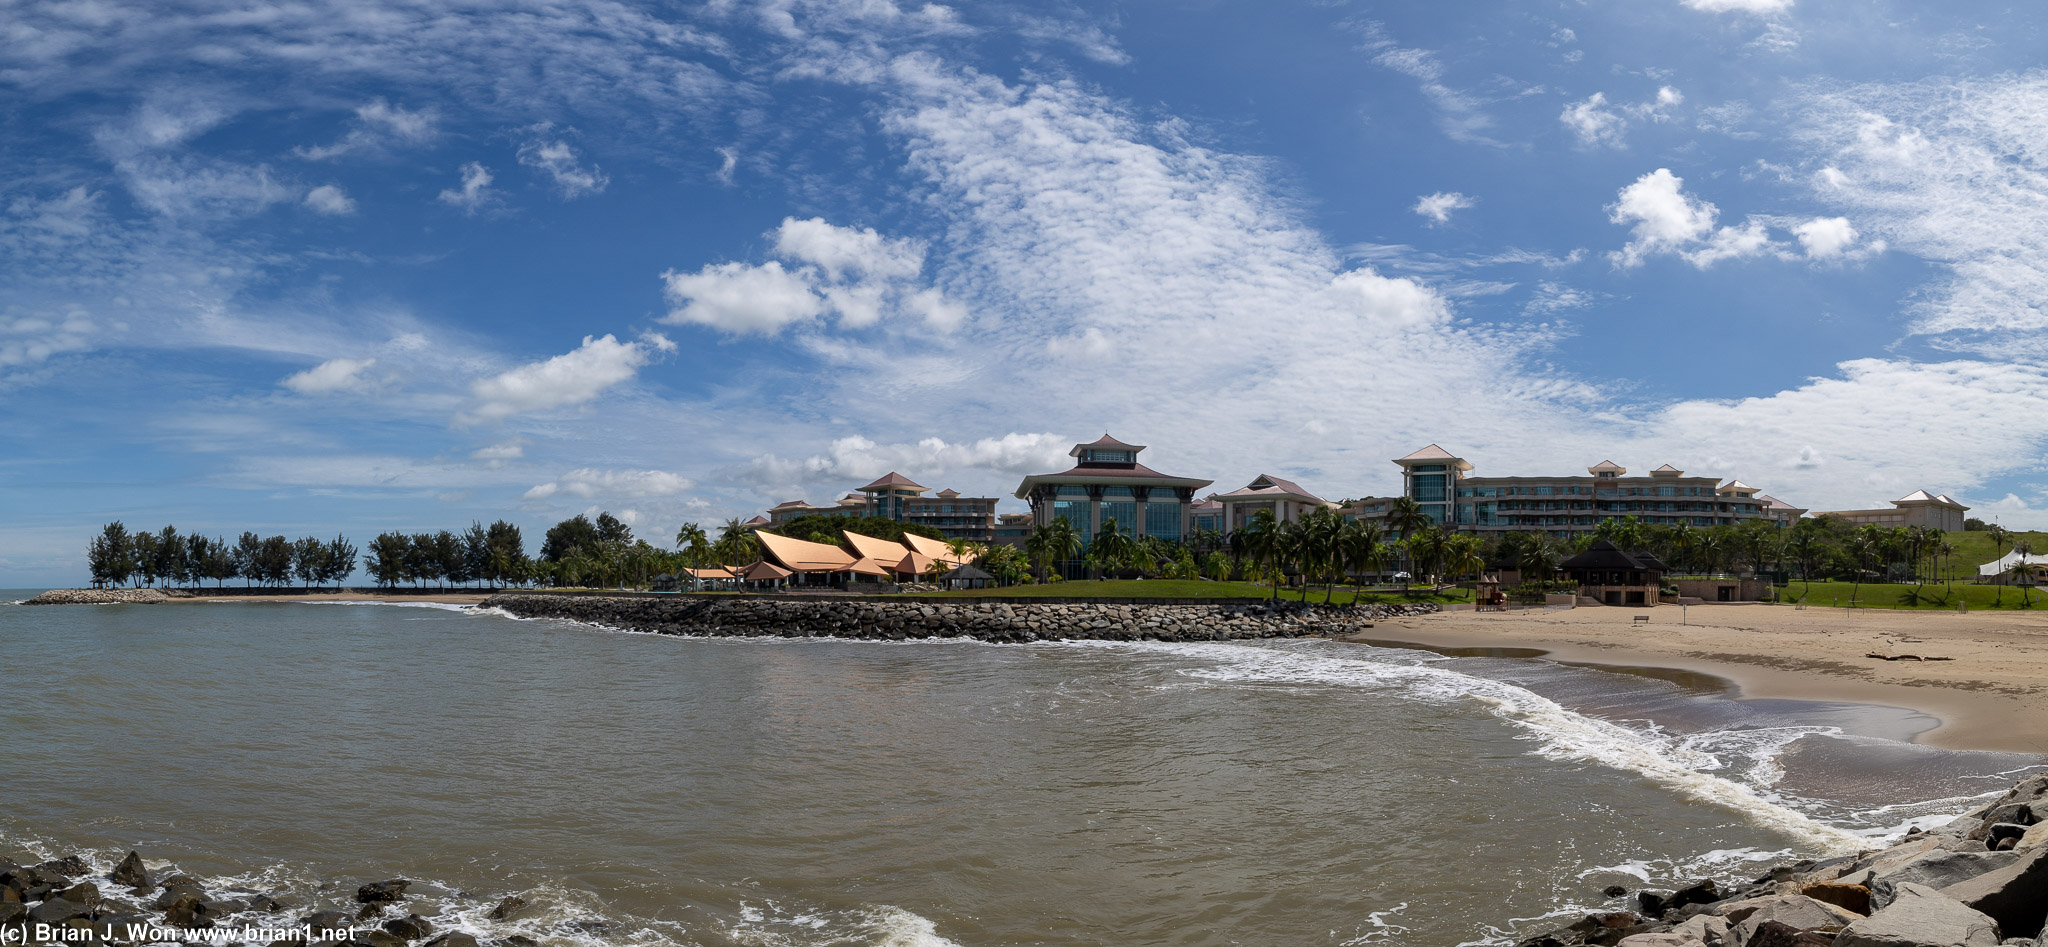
(1930,596)
(1975,549)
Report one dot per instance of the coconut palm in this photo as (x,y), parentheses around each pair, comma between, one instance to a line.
(1461,556)
(2021,571)
(736,544)
(1262,544)
(1216,566)
(1113,548)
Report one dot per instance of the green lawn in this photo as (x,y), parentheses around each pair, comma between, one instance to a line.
(1880,595)
(1182,588)
(1975,549)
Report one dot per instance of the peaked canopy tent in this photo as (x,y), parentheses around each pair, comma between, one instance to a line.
(966,577)
(2003,564)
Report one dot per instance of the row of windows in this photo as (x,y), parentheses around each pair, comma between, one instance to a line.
(1545,490)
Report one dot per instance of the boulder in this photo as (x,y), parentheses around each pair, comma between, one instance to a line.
(2015,896)
(381,891)
(1776,934)
(1854,898)
(1919,916)
(12,911)
(130,872)
(506,908)
(1699,892)
(188,911)
(2036,837)
(70,866)
(56,911)
(329,925)
(376,939)
(84,892)
(410,927)
(1667,939)
(1937,870)
(1798,912)
(453,939)
(1708,928)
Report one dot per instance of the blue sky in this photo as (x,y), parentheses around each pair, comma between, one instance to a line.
(309,267)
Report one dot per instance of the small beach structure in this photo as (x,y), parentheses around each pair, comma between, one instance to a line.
(764,574)
(1608,576)
(966,577)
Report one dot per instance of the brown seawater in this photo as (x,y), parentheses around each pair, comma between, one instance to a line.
(658,791)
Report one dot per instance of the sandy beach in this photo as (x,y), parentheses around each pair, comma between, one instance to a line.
(1993,695)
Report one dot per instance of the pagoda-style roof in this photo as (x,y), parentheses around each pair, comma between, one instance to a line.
(1270,487)
(1434,455)
(894,479)
(1774,503)
(764,571)
(949,493)
(1607,465)
(757,521)
(1667,471)
(788,504)
(1605,556)
(934,549)
(802,555)
(1105,442)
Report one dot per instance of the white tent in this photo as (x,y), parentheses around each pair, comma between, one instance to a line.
(2003,563)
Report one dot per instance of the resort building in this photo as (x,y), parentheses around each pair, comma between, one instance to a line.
(1442,486)
(1285,499)
(1108,483)
(1609,576)
(897,497)
(863,557)
(1918,508)
(1206,515)
(1013,529)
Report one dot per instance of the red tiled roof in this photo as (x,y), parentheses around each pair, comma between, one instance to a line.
(893,479)
(1106,442)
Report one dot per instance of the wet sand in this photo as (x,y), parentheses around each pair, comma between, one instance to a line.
(1993,695)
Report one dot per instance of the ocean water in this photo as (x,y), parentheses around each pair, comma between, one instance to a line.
(650,790)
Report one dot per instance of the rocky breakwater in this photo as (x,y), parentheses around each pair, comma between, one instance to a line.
(106,597)
(1979,881)
(65,901)
(989,621)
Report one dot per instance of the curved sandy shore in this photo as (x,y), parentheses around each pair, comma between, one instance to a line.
(1993,695)
(450,597)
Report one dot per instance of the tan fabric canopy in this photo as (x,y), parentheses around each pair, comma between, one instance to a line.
(715,572)
(870,547)
(866,566)
(934,549)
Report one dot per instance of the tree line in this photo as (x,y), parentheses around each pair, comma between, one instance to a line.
(117,556)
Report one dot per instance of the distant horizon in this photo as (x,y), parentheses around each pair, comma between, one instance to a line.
(348,268)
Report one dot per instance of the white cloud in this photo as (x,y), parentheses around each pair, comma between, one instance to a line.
(589,482)
(475,193)
(1826,238)
(330,377)
(844,251)
(562,163)
(1596,122)
(1438,206)
(30,340)
(1459,113)
(499,453)
(740,298)
(1666,220)
(1949,171)
(1757,7)
(939,313)
(1090,40)
(859,458)
(330,199)
(1551,298)
(566,380)
(376,123)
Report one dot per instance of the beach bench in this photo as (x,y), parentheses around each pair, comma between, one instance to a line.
(1640,620)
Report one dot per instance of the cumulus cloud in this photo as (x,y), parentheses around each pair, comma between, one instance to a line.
(331,200)
(1596,122)
(559,160)
(333,376)
(497,454)
(1439,206)
(857,274)
(475,192)
(1666,220)
(1459,114)
(566,380)
(741,298)
(859,458)
(589,482)
(1826,238)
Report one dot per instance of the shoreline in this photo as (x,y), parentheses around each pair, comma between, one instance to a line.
(1992,694)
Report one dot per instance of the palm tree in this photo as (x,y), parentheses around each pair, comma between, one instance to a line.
(1759,541)
(736,544)
(1359,547)
(1539,559)
(1866,549)
(1805,547)
(1684,539)
(2021,571)
(1461,556)
(1112,548)
(1263,544)
(1217,566)
(1063,543)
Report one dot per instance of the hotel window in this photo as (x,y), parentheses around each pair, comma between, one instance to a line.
(1075,512)
(1125,512)
(1545,491)
(1073,490)
(1109,457)
(1162,518)
(1429,488)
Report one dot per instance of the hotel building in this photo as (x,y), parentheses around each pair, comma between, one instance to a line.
(1285,499)
(897,497)
(1918,508)
(1108,483)
(1442,485)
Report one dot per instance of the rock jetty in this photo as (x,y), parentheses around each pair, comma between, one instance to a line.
(897,620)
(65,902)
(106,597)
(1979,881)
